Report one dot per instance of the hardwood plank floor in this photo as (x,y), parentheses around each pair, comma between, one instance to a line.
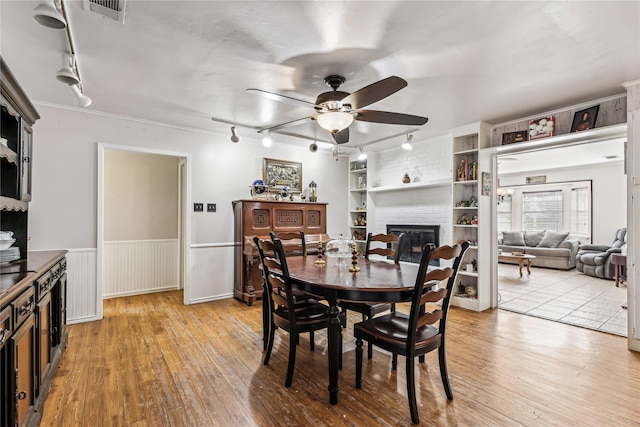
(155,362)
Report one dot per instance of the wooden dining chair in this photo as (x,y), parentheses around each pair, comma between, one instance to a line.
(416,334)
(293,242)
(285,312)
(369,310)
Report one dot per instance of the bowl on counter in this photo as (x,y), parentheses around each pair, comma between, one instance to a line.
(6,243)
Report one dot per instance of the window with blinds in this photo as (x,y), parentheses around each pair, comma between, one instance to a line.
(581,213)
(542,210)
(504,214)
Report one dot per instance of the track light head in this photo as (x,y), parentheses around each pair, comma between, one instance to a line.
(407,145)
(47,14)
(234,134)
(67,74)
(81,100)
(362,155)
(267,140)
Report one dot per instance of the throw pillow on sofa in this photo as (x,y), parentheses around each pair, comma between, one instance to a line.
(533,238)
(552,239)
(512,238)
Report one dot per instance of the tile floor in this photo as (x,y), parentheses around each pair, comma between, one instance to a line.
(564,296)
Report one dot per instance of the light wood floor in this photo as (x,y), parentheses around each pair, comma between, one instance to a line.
(155,362)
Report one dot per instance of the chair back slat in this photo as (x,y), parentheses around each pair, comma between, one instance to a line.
(278,286)
(433,296)
(430,318)
(421,313)
(390,240)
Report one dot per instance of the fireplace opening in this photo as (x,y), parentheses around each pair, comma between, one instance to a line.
(415,237)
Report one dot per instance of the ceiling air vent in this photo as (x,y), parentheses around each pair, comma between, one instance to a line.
(113,9)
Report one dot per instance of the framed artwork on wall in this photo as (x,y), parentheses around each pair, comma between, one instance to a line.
(282,173)
(542,128)
(585,119)
(512,137)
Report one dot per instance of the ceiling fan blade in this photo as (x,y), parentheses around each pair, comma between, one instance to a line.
(281,98)
(374,92)
(341,137)
(287,124)
(390,118)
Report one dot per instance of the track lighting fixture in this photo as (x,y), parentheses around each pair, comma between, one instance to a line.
(362,155)
(80,100)
(267,140)
(67,73)
(407,145)
(48,15)
(313,147)
(234,134)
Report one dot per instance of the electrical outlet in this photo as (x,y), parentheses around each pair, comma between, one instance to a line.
(211,207)
(198,207)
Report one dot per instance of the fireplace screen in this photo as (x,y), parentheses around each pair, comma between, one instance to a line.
(415,237)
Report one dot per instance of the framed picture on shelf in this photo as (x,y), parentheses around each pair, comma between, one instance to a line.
(585,119)
(542,128)
(512,137)
(282,173)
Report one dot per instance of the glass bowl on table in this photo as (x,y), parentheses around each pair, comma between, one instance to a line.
(340,248)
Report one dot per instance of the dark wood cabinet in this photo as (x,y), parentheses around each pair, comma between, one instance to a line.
(24,353)
(258,218)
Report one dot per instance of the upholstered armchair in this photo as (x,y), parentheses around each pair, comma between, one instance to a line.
(595,260)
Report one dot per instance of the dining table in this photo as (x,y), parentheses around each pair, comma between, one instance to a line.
(377,281)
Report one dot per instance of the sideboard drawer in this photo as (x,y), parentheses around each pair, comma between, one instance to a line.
(44,282)
(23,306)
(5,325)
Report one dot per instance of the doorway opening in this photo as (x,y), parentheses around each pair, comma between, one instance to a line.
(142,222)
(576,191)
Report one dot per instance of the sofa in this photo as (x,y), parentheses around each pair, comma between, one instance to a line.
(595,260)
(551,249)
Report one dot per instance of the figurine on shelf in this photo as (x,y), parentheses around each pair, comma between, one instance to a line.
(474,219)
(464,220)
(362,220)
(473,202)
(406,179)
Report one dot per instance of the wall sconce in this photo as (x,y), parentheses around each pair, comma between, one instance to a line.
(504,195)
(80,99)
(407,145)
(362,155)
(48,15)
(267,140)
(67,73)
(234,134)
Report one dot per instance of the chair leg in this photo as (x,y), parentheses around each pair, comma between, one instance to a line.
(312,344)
(340,355)
(394,362)
(267,354)
(358,363)
(369,345)
(443,372)
(293,338)
(411,390)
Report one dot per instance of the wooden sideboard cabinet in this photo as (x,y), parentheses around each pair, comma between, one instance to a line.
(258,218)
(32,333)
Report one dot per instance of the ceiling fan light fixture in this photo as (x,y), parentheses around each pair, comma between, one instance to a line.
(335,121)
(48,15)
(234,134)
(66,74)
(81,100)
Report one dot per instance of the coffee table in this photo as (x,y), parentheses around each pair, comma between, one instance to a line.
(521,259)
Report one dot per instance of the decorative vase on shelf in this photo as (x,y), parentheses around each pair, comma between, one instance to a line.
(406,179)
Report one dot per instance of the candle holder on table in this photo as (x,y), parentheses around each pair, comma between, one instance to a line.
(320,261)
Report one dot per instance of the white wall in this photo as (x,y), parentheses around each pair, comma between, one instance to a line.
(63,213)
(426,206)
(609,192)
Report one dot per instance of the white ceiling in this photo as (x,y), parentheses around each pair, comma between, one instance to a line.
(184,62)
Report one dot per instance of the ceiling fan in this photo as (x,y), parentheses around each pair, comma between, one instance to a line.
(336,110)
